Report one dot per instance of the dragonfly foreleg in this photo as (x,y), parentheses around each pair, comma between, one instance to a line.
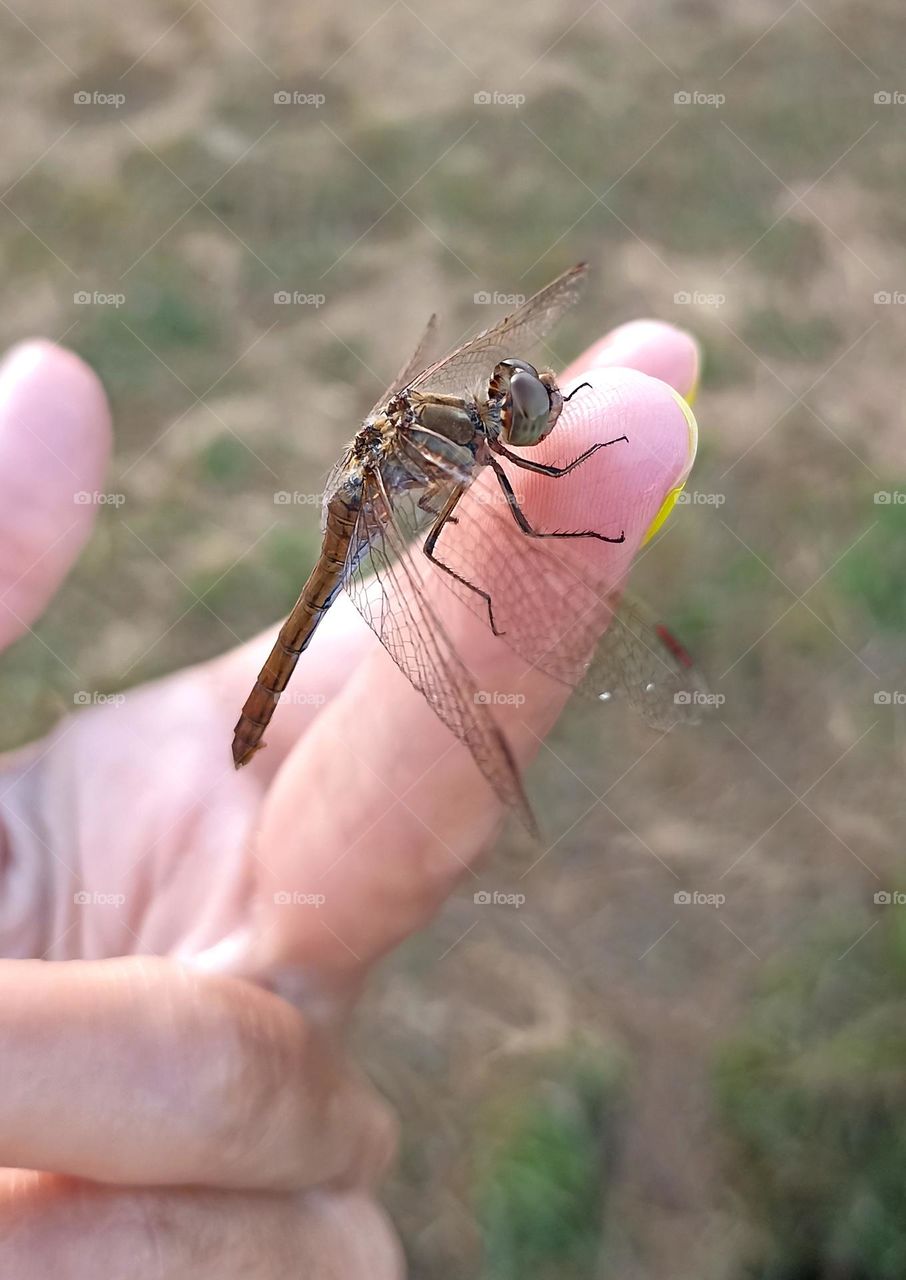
(445,516)
(520,518)
(544,469)
(428,502)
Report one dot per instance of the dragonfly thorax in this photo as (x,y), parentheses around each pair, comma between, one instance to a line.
(528,402)
(368,445)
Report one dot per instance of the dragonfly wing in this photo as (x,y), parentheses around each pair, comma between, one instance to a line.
(413,365)
(386,586)
(639,659)
(552,611)
(515,335)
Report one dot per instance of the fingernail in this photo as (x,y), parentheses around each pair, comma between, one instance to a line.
(670,501)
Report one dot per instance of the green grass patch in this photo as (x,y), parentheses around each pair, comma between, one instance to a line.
(873,573)
(541,1190)
(812,1093)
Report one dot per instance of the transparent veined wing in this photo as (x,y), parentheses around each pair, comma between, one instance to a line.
(516,335)
(412,367)
(385,582)
(587,633)
(641,661)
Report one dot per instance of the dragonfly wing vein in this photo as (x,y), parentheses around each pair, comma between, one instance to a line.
(562,617)
(515,335)
(387,588)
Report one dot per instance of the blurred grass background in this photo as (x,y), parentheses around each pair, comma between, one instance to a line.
(780,212)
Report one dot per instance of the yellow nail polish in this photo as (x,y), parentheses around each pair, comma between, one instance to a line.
(666,507)
(670,501)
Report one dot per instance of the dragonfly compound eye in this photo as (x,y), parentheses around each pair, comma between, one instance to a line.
(526,416)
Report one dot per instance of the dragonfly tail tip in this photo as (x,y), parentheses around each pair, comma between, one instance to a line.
(242,752)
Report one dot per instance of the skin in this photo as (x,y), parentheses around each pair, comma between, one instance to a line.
(175,1100)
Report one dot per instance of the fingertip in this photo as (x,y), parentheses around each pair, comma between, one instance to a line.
(38,365)
(55,435)
(654,347)
(630,481)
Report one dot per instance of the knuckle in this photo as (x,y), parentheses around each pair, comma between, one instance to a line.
(248,1064)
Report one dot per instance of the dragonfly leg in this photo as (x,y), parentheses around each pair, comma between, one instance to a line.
(520,518)
(544,469)
(426,503)
(445,516)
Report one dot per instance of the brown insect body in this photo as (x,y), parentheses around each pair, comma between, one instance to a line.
(414,458)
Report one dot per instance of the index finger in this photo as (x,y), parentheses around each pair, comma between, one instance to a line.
(342,642)
(379,811)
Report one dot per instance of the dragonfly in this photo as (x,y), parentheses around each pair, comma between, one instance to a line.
(409,498)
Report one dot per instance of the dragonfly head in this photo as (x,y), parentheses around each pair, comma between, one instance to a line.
(530,402)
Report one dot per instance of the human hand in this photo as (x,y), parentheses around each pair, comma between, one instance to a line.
(140,802)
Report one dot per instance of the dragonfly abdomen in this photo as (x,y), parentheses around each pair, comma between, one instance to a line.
(323,586)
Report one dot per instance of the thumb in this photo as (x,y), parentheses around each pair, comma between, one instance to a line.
(54,445)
